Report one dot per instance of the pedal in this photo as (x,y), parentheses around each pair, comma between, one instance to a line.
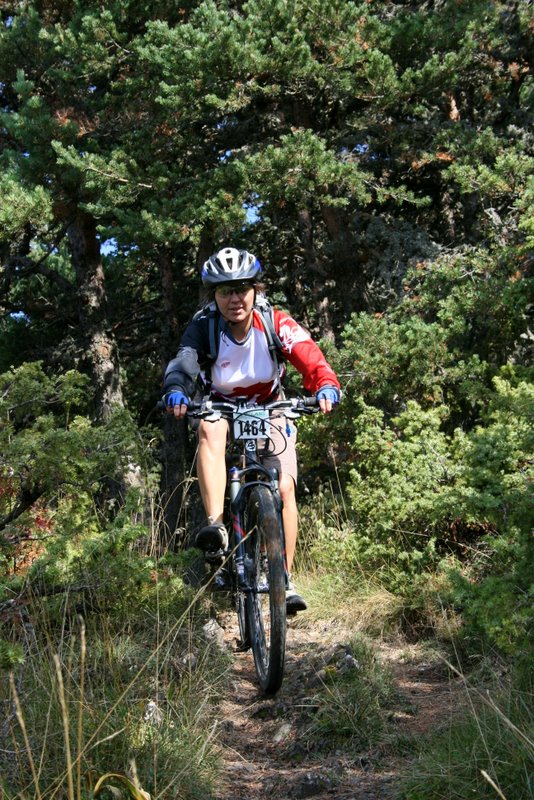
(220,582)
(214,556)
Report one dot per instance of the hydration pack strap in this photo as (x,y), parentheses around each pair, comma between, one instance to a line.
(273,342)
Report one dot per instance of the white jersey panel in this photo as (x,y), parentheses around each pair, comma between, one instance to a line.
(243,364)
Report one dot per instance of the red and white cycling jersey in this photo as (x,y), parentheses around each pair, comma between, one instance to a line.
(247,368)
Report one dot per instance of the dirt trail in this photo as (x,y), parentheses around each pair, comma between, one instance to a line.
(265,747)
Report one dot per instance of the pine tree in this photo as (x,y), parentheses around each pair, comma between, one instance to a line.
(341,142)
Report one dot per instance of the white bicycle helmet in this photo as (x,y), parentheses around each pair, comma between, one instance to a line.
(228,265)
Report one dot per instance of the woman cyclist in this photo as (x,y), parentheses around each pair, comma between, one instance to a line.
(244,367)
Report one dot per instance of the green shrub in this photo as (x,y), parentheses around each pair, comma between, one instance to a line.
(59,470)
(494,487)
(419,502)
(393,522)
(137,693)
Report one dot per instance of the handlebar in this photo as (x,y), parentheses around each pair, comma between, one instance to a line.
(213,410)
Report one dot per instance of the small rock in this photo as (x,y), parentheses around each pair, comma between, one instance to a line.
(328,654)
(213,633)
(348,663)
(190,661)
(282,733)
(153,714)
(311,785)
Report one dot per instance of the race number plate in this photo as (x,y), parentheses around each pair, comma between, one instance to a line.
(253,424)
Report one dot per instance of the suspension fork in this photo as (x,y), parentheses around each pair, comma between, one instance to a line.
(237,525)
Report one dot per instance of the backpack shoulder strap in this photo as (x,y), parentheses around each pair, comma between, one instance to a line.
(267,317)
(210,312)
(273,341)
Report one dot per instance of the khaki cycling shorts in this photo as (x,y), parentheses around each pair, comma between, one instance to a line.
(280,449)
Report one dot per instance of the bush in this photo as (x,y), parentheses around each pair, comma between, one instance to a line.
(419,500)
(494,488)
(394,524)
(60,472)
(131,688)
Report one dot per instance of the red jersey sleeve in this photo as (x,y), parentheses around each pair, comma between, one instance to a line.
(302,352)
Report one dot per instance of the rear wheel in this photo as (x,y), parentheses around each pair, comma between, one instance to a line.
(265,604)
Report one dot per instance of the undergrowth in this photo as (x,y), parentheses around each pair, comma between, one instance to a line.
(487,752)
(463,609)
(349,708)
(110,676)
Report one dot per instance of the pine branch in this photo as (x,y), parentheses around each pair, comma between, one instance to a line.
(28,498)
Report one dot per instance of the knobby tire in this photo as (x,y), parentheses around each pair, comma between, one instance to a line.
(266,611)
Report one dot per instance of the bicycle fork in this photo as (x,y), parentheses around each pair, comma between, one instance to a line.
(242,562)
(239,533)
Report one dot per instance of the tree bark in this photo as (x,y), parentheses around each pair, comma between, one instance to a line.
(101,353)
(181,511)
(25,500)
(174,447)
(349,282)
(100,345)
(317,273)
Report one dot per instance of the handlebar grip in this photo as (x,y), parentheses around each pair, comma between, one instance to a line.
(310,402)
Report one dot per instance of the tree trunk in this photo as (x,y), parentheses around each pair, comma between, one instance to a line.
(100,348)
(349,281)
(181,511)
(174,447)
(317,274)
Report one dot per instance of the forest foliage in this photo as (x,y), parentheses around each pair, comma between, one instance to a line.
(378,158)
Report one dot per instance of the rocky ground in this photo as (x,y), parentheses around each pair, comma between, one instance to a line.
(266,747)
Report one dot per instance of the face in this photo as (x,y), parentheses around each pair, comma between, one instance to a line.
(235,301)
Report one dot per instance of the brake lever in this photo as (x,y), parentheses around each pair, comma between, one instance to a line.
(291,414)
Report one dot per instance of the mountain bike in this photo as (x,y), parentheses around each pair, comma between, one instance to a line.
(254,566)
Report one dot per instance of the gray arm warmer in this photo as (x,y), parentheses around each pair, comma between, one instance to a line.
(182,372)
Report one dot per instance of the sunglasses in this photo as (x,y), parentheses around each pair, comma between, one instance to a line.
(239,288)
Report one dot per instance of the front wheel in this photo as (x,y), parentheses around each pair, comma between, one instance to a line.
(265,603)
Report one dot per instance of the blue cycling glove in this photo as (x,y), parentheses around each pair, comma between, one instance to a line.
(176,399)
(329,393)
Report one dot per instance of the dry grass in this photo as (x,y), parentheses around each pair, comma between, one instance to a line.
(367,608)
(132,698)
